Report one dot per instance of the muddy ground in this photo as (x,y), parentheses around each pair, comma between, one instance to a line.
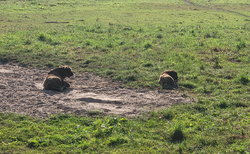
(21,92)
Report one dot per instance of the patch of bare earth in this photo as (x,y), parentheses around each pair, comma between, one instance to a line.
(21,92)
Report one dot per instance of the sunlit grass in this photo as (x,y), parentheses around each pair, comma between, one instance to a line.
(202,127)
(133,42)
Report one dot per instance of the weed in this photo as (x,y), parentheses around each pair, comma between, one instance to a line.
(93,113)
(28,42)
(188,85)
(84,145)
(131,78)
(223,104)
(114,141)
(240,45)
(177,134)
(168,114)
(112,121)
(241,104)
(202,67)
(159,36)
(147,45)
(42,37)
(243,78)
(33,144)
(200,108)
(217,64)
(47,39)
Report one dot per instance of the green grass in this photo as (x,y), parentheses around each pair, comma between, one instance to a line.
(133,42)
(204,127)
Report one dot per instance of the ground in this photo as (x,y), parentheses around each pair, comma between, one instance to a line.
(21,92)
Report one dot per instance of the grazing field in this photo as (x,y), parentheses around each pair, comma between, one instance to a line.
(133,41)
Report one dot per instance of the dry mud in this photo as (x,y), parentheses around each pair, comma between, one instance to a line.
(21,92)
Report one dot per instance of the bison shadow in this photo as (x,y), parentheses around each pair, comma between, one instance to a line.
(52,92)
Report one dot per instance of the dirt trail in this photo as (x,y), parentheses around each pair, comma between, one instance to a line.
(188,2)
(21,91)
(219,9)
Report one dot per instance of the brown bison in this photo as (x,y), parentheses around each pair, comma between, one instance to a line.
(172,73)
(54,79)
(168,79)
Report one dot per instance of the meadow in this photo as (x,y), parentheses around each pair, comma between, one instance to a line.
(133,41)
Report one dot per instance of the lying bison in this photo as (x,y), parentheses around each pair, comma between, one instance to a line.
(172,73)
(54,79)
(168,79)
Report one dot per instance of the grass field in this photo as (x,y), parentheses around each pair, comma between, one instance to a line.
(133,41)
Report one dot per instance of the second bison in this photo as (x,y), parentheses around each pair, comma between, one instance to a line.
(168,79)
(55,79)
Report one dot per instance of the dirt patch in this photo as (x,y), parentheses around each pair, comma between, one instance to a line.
(21,92)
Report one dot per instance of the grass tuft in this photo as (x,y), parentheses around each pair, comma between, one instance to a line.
(114,141)
(241,104)
(240,45)
(223,104)
(168,114)
(188,85)
(33,144)
(177,134)
(243,79)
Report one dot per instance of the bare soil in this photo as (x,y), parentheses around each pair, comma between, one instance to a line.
(21,92)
